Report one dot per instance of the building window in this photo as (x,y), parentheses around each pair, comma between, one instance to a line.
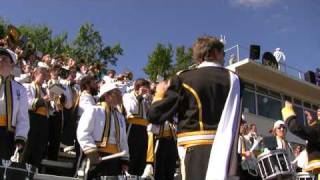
(300,115)
(269,107)
(249,102)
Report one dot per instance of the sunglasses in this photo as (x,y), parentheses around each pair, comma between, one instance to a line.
(281,126)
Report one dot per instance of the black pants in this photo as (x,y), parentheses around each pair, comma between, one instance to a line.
(110,167)
(138,145)
(166,158)
(69,128)
(196,162)
(55,125)
(6,143)
(37,139)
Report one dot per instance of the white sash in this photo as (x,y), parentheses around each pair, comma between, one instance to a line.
(226,133)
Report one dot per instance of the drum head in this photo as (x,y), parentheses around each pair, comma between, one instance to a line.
(16,171)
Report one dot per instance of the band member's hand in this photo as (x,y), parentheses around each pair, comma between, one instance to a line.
(47,98)
(94,158)
(247,154)
(163,86)
(124,168)
(309,118)
(20,147)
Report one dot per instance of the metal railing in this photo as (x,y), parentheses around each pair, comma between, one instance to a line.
(233,55)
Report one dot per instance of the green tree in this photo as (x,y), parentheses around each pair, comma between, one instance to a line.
(183,58)
(159,62)
(42,39)
(88,46)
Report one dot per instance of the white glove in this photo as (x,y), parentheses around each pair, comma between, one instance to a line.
(155,129)
(148,171)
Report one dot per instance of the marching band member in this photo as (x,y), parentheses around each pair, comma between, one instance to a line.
(279,131)
(55,115)
(102,132)
(38,101)
(198,96)
(162,151)
(14,118)
(248,161)
(136,107)
(89,89)
(70,107)
(310,132)
(110,77)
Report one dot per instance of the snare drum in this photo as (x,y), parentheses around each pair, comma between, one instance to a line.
(274,164)
(12,170)
(123,177)
(305,176)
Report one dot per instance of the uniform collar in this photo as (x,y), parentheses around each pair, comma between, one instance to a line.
(207,64)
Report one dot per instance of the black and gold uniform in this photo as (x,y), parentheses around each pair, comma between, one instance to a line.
(309,132)
(55,122)
(197,96)
(136,109)
(39,125)
(162,151)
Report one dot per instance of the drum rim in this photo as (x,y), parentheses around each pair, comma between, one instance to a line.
(32,171)
(272,152)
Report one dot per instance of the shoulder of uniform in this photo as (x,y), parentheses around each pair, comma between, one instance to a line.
(183,71)
(17,83)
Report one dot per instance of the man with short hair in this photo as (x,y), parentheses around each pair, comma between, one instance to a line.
(14,118)
(136,105)
(203,99)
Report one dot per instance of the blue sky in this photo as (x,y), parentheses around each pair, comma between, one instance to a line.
(293,25)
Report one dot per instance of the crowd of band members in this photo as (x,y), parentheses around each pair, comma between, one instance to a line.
(107,114)
(48,121)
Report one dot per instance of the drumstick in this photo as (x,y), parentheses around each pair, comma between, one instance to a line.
(116,155)
(256,143)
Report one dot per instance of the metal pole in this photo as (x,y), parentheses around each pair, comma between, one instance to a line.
(238,53)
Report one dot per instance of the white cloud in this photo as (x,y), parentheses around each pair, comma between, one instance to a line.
(254,3)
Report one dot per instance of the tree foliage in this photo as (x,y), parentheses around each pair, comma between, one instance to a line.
(159,62)
(88,46)
(183,58)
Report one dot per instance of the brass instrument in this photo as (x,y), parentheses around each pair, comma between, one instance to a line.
(12,38)
(57,101)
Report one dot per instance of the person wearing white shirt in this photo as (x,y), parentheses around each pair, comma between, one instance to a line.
(38,101)
(70,107)
(102,132)
(136,106)
(110,77)
(14,117)
(89,89)
(281,59)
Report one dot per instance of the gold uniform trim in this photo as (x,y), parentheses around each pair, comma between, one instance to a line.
(313,166)
(9,104)
(193,133)
(3,121)
(196,143)
(110,148)
(42,111)
(194,93)
(106,130)
(150,150)
(138,121)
